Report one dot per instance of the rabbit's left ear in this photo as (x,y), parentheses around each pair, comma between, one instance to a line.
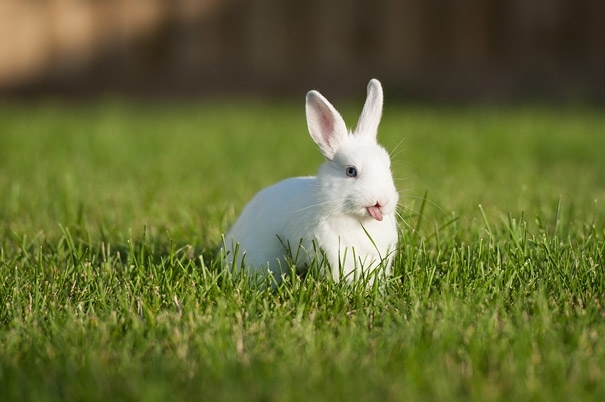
(372,111)
(326,126)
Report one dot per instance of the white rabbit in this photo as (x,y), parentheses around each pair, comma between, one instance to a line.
(347,210)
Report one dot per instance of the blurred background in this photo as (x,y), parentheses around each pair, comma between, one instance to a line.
(496,50)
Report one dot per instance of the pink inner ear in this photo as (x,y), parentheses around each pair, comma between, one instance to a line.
(327,127)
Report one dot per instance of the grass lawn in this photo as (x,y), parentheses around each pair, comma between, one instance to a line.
(110,214)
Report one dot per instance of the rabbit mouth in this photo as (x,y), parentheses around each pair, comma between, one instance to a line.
(375,212)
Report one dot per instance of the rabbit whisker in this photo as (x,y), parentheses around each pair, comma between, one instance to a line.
(394,152)
(318,204)
(402,220)
(416,197)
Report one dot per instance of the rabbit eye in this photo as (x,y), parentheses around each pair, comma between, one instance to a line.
(351,171)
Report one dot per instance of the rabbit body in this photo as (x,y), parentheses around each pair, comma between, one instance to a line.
(347,210)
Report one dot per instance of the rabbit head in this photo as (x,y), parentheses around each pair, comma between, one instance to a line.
(356,177)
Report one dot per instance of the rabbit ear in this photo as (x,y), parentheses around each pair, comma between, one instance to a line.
(372,111)
(326,126)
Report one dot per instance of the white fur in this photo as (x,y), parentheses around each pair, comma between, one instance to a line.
(329,210)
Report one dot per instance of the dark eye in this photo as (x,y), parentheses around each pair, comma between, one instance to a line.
(351,171)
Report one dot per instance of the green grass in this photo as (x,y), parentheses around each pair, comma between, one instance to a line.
(110,215)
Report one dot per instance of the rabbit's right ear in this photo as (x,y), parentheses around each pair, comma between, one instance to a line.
(326,126)
(372,111)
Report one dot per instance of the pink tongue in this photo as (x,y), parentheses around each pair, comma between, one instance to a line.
(374,211)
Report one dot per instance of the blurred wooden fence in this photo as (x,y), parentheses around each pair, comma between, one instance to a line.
(471,49)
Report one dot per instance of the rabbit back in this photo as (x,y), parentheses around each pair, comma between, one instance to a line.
(274,223)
